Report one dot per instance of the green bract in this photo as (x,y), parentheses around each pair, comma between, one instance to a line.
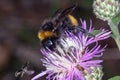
(97,74)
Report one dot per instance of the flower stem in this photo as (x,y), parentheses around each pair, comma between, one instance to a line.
(114,28)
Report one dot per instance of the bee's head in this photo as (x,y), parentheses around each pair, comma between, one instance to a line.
(49,43)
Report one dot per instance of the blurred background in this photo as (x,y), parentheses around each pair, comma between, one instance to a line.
(19,24)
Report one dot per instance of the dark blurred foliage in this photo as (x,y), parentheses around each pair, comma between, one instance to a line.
(19,23)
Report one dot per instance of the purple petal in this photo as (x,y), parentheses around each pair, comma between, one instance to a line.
(40,75)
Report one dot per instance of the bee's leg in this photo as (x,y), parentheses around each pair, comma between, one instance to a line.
(71,29)
(84,31)
(76,29)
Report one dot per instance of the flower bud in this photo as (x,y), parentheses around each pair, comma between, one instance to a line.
(106,9)
(97,74)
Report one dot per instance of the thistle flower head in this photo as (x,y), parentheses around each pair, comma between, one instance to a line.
(106,9)
(73,59)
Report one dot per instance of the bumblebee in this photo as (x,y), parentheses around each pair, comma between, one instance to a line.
(54,27)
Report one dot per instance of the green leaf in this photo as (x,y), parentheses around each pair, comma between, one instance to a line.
(95,32)
(115,78)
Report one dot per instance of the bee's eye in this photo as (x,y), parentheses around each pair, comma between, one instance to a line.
(50,43)
(48,26)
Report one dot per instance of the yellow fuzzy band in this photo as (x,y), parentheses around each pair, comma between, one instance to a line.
(73,20)
(45,34)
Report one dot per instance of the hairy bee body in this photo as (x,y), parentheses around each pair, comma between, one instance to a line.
(52,29)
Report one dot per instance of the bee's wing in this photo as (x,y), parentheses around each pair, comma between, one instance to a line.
(61,14)
(68,10)
(25,65)
(57,13)
(30,72)
(18,73)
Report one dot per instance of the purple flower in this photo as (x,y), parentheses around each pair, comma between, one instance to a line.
(73,59)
